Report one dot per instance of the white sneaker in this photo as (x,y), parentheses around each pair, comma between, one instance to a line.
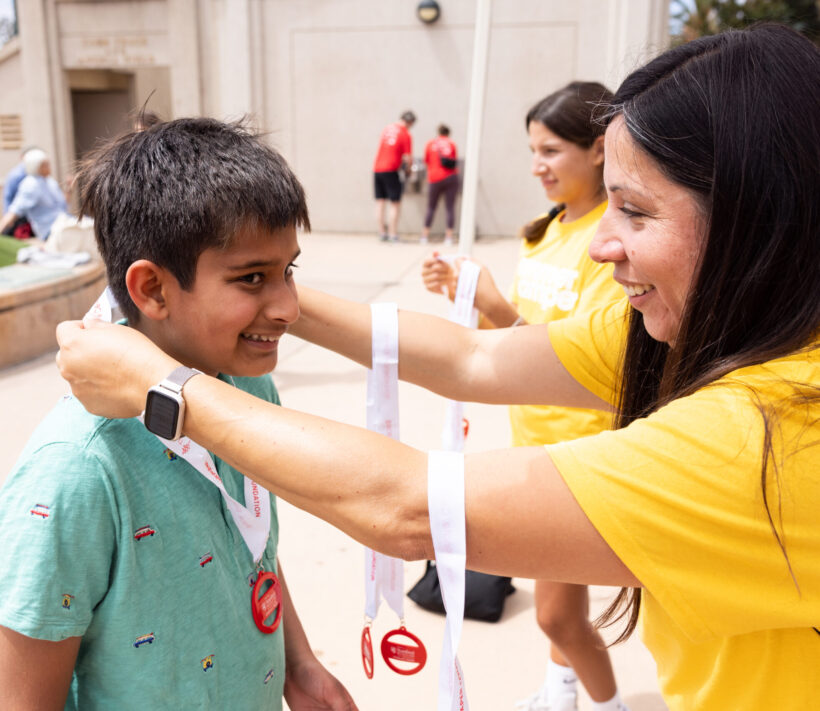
(566,702)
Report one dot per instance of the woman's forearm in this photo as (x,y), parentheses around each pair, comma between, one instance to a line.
(507,366)
(360,482)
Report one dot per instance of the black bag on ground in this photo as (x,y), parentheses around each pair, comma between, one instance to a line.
(484,594)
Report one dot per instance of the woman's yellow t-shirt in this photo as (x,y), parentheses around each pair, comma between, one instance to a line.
(677,496)
(556,279)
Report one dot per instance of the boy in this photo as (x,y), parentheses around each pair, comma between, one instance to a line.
(126,582)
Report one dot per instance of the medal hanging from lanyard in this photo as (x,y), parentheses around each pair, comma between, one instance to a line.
(252,520)
(402,651)
(445,501)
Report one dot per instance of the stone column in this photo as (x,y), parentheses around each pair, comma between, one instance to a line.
(183,52)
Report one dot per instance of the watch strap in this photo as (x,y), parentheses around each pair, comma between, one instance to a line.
(178,377)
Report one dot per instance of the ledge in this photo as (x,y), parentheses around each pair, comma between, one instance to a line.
(30,311)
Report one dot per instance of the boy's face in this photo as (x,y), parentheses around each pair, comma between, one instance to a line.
(241,303)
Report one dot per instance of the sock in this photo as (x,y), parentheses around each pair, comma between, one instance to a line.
(560,680)
(614,704)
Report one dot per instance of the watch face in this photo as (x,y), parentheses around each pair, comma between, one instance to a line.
(161,414)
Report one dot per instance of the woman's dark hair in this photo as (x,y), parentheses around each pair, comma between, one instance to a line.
(570,114)
(735,119)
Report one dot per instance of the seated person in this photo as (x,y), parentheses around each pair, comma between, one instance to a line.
(39,197)
(126,577)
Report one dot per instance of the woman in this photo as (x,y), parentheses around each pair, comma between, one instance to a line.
(442,176)
(556,279)
(704,503)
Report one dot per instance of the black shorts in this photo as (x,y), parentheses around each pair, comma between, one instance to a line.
(387,186)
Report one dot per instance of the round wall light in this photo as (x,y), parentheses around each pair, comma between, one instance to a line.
(428,11)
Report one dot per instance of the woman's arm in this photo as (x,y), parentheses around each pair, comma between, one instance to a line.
(504,366)
(521,517)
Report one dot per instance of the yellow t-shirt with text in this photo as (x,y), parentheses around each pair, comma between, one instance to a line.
(556,279)
(677,496)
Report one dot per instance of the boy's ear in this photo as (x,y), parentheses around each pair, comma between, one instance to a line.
(145,282)
(597,149)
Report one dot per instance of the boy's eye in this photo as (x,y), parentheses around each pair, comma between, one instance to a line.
(253,278)
(291,267)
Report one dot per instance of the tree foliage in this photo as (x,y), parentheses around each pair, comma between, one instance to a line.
(708,17)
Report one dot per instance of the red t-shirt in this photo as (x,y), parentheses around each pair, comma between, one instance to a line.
(439,146)
(395,142)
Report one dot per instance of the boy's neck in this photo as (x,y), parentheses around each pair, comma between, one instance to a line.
(156,334)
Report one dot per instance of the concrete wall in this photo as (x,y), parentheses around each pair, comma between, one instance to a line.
(324,76)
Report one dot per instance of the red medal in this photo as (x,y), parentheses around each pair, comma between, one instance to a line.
(267,603)
(394,651)
(367,652)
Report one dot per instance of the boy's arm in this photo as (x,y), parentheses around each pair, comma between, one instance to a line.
(308,685)
(35,673)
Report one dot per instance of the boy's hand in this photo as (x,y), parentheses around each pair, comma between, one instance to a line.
(109,367)
(311,687)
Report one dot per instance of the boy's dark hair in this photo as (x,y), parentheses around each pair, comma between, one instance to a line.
(170,192)
(443,129)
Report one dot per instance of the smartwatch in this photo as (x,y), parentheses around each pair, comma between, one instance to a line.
(165,406)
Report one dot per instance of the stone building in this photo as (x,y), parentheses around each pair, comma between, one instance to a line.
(321,77)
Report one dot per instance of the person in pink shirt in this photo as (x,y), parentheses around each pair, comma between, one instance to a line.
(395,153)
(442,175)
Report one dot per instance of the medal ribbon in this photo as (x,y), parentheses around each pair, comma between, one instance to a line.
(252,520)
(384,575)
(445,500)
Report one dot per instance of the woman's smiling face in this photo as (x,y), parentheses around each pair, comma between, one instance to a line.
(652,231)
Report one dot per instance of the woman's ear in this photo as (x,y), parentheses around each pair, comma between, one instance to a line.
(145,282)
(597,151)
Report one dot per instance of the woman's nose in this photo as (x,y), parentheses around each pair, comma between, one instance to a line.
(606,246)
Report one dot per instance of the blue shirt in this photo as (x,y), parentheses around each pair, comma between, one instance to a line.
(106,535)
(40,200)
(13,180)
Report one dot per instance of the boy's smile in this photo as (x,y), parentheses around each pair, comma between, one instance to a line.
(241,303)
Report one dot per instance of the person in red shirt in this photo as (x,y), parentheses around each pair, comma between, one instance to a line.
(395,153)
(442,175)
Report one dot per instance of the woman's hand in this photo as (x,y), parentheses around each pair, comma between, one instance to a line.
(109,367)
(439,276)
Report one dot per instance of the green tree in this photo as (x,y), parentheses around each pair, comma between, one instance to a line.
(707,17)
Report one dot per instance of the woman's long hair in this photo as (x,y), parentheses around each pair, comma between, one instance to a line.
(735,119)
(570,114)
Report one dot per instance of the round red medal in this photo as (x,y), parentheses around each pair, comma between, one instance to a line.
(367,652)
(394,651)
(267,602)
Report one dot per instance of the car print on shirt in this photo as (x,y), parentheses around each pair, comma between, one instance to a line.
(144,639)
(171,456)
(205,559)
(143,532)
(269,676)
(208,662)
(67,601)
(40,510)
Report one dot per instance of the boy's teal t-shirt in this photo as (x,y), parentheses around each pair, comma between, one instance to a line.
(106,535)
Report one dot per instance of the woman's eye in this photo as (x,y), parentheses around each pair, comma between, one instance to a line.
(631,213)
(252,279)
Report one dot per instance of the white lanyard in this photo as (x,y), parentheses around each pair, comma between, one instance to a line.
(445,500)
(253,519)
(384,575)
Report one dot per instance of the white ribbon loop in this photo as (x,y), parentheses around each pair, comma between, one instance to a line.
(384,575)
